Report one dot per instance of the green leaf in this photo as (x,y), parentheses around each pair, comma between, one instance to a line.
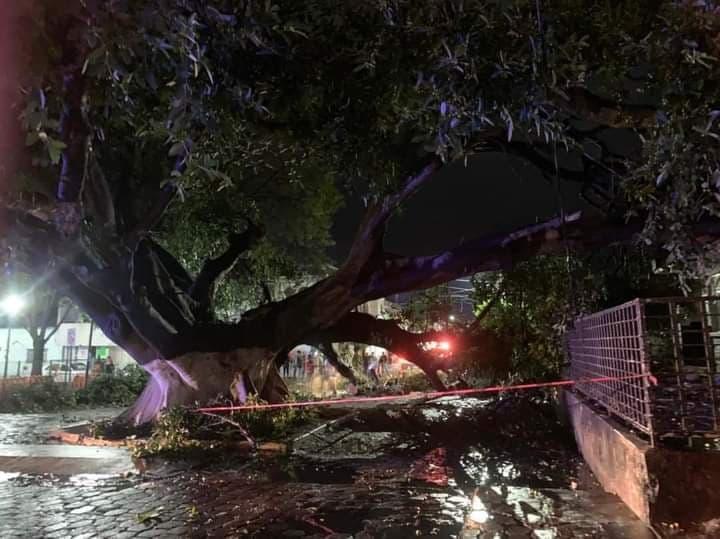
(177,149)
(55,148)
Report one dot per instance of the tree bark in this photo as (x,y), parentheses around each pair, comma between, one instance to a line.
(198,378)
(38,354)
(333,359)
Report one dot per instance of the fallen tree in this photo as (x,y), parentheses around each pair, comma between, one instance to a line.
(134,108)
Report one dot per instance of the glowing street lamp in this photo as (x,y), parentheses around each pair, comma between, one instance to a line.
(11,305)
(451,318)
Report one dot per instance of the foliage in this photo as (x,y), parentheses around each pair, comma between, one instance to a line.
(119,389)
(181,431)
(537,299)
(46,396)
(247,109)
(427,309)
(172,434)
(413,382)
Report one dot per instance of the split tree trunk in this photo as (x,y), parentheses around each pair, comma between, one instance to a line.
(198,378)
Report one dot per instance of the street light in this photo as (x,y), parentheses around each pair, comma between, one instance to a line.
(11,305)
(451,318)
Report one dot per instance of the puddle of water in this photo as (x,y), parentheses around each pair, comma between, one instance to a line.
(320,473)
(545,534)
(89,480)
(479,513)
(8,476)
(463,402)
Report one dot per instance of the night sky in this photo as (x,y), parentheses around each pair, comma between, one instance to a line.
(494,193)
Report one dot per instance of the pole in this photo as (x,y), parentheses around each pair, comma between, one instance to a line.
(7,350)
(68,357)
(90,354)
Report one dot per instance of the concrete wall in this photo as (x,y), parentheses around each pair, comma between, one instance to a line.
(660,485)
(616,458)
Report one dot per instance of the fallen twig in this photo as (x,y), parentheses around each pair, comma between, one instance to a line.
(237,425)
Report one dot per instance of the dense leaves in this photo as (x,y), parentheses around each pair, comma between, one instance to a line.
(119,389)
(46,396)
(427,309)
(534,303)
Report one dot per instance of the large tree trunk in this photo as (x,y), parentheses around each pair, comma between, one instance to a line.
(198,378)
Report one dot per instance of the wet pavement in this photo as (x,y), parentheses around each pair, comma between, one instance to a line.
(65,459)
(88,506)
(34,428)
(470,468)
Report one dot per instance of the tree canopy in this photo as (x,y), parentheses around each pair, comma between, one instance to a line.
(169,144)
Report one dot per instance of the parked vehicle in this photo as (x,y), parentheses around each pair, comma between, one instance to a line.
(62,372)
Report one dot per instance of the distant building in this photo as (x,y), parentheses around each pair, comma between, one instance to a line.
(459,293)
(379,308)
(68,346)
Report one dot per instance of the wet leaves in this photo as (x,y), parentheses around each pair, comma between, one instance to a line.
(148,517)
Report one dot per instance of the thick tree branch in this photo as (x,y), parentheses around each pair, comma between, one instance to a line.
(498,252)
(73,130)
(323,303)
(97,198)
(165,197)
(332,358)
(150,278)
(111,320)
(203,289)
(57,324)
(368,239)
(364,328)
(175,269)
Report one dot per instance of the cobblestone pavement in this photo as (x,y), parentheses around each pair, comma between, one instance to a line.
(83,506)
(34,428)
(387,498)
(354,481)
(231,503)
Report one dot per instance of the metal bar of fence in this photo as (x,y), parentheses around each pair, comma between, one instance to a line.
(645,365)
(710,365)
(677,363)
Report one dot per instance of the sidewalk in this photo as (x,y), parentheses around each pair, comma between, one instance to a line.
(64,459)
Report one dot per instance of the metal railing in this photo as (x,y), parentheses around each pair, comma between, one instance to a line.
(610,344)
(677,340)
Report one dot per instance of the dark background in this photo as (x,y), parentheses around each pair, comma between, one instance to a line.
(495,193)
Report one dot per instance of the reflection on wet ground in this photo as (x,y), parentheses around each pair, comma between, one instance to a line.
(34,428)
(489,468)
(451,468)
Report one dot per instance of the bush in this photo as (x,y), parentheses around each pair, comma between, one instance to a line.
(173,434)
(180,431)
(46,396)
(114,390)
(416,381)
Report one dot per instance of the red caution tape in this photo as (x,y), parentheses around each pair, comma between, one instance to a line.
(423,395)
